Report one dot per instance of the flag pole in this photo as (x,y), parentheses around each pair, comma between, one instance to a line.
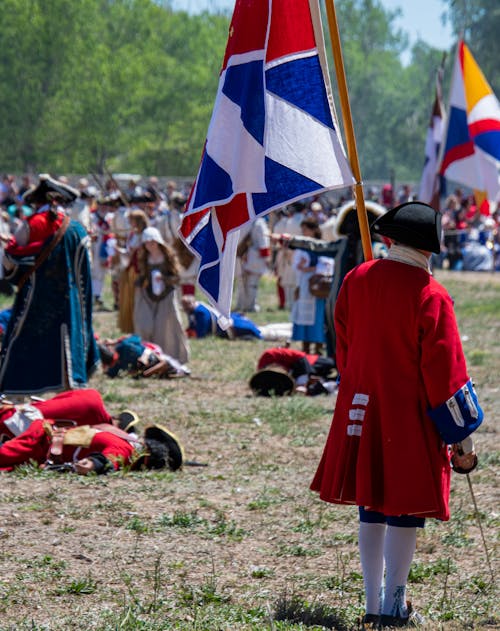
(349,130)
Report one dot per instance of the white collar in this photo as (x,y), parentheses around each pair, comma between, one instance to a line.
(408,255)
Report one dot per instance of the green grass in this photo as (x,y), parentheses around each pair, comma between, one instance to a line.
(242,544)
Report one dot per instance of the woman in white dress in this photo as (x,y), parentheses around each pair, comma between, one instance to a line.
(157,313)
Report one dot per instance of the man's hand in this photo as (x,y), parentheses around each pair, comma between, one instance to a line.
(280,239)
(84,466)
(463,460)
(159,369)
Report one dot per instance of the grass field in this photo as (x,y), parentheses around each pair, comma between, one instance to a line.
(240,544)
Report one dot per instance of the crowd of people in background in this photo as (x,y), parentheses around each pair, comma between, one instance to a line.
(61,245)
(132,225)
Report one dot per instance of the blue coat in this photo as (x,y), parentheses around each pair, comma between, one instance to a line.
(49,343)
(204,322)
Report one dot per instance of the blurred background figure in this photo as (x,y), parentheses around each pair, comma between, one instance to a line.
(254,261)
(308,312)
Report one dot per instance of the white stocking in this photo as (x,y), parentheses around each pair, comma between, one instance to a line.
(371,552)
(398,553)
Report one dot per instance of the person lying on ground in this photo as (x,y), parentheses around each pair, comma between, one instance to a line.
(133,356)
(204,320)
(74,432)
(282,371)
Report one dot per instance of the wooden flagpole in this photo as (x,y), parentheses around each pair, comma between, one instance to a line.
(349,130)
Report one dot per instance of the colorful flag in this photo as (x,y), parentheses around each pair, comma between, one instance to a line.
(471,154)
(271,140)
(429,183)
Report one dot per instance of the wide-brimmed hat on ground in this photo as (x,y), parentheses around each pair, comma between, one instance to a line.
(272,380)
(162,449)
(127,420)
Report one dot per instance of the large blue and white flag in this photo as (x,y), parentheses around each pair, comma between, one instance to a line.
(272,138)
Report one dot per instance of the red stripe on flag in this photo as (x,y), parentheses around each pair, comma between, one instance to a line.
(189,222)
(233,215)
(461,53)
(248,28)
(291,29)
(457,153)
(484,126)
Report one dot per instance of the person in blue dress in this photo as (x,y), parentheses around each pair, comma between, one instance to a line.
(308,311)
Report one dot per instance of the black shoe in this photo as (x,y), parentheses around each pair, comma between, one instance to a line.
(127,420)
(313,390)
(413,619)
(370,621)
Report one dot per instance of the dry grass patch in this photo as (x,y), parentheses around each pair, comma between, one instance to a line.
(241,543)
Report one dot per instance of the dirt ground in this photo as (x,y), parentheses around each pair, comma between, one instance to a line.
(211,546)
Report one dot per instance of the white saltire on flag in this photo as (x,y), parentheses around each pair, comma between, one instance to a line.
(271,140)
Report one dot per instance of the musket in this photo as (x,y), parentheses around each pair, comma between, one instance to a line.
(98,182)
(61,467)
(123,195)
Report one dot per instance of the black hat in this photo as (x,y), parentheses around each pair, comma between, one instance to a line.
(272,380)
(114,200)
(127,420)
(163,449)
(49,189)
(347,222)
(146,197)
(178,199)
(414,223)
(297,207)
(106,355)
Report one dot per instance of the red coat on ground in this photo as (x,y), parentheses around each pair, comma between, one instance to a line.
(85,407)
(284,357)
(398,354)
(34,444)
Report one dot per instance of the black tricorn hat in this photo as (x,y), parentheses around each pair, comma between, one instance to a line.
(172,455)
(114,199)
(49,189)
(178,199)
(146,197)
(414,223)
(347,222)
(297,207)
(272,380)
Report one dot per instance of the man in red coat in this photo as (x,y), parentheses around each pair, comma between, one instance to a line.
(404,396)
(99,450)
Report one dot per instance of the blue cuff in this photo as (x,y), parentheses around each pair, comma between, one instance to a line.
(459,416)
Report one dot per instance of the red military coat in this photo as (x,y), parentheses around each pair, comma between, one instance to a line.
(41,226)
(34,444)
(398,354)
(85,407)
(284,357)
